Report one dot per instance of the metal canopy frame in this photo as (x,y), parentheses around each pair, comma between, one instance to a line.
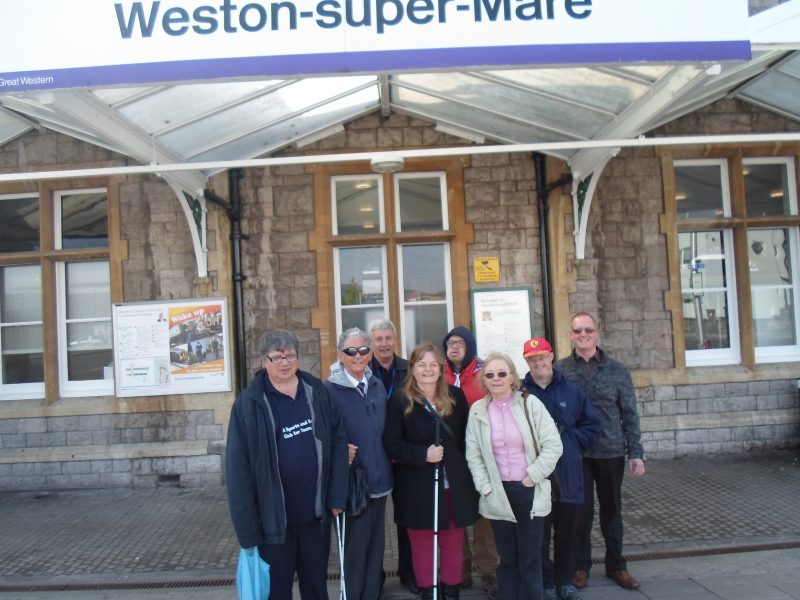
(209,123)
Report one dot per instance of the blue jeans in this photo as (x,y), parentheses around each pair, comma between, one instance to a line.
(519,575)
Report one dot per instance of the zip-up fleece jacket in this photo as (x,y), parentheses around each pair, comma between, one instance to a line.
(610,389)
(364,421)
(255,492)
(493,502)
(579,425)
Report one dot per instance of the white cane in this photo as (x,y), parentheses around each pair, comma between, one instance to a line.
(437,442)
(340,544)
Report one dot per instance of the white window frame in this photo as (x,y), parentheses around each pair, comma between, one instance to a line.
(773,354)
(422,175)
(448,301)
(338,287)
(334,209)
(67,388)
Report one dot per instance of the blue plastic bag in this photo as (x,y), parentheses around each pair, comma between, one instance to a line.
(252,575)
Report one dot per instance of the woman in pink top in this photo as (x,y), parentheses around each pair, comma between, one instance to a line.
(512,447)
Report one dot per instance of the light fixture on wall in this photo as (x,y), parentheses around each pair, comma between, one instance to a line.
(387,163)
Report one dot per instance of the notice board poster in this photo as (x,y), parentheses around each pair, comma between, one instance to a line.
(174,347)
(502,322)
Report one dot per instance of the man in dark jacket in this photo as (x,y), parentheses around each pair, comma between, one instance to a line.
(609,386)
(579,425)
(286,469)
(392,370)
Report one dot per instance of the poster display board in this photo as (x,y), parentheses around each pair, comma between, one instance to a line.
(171,347)
(502,322)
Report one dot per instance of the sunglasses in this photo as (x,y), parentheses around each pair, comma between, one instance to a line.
(352,350)
(578,330)
(499,375)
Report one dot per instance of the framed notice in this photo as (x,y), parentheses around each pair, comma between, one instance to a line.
(174,347)
(501,321)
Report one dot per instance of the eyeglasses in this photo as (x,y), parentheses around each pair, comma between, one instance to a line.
(577,330)
(352,350)
(499,375)
(288,358)
(456,344)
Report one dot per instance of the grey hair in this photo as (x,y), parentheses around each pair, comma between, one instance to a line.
(278,339)
(380,325)
(353,332)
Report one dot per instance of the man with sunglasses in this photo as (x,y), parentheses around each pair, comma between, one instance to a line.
(286,469)
(609,386)
(578,425)
(361,399)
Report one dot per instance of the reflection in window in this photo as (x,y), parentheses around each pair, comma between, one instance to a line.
(88,323)
(704,286)
(699,190)
(426,294)
(766,189)
(357,207)
(19,223)
(21,325)
(360,285)
(772,287)
(420,202)
(83,219)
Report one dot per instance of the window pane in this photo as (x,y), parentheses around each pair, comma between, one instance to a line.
(704,287)
(361,316)
(772,287)
(698,191)
(361,276)
(88,290)
(766,190)
(357,205)
(705,321)
(424,273)
(20,294)
(22,354)
(89,351)
(19,224)
(425,322)
(420,200)
(84,220)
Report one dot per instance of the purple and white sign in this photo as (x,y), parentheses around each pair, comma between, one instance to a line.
(50,44)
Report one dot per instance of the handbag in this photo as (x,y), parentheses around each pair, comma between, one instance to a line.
(252,575)
(358,490)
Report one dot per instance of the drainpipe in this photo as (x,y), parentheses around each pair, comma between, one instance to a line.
(234,211)
(543,190)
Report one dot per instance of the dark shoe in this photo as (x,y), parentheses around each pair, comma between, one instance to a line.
(490,588)
(466,582)
(624,580)
(568,592)
(410,585)
(426,593)
(451,592)
(581,579)
(549,593)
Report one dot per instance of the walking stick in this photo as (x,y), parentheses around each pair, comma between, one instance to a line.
(437,442)
(340,545)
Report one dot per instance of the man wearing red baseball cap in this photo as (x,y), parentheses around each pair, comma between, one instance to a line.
(579,425)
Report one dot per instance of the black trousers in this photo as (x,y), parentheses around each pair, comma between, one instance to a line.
(605,475)
(562,523)
(306,552)
(364,542)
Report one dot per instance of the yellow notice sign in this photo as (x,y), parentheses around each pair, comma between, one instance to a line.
(487,269)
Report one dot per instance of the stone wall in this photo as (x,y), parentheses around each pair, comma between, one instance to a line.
(111,450)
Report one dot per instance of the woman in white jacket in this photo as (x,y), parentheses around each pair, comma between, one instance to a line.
(512,447)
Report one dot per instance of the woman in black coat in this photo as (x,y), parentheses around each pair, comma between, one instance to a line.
(409,438)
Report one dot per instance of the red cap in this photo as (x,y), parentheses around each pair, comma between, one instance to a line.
(536,346)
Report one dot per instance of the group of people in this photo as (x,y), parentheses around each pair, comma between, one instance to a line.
(457,441)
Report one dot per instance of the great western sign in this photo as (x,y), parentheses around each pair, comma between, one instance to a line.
(50,44)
